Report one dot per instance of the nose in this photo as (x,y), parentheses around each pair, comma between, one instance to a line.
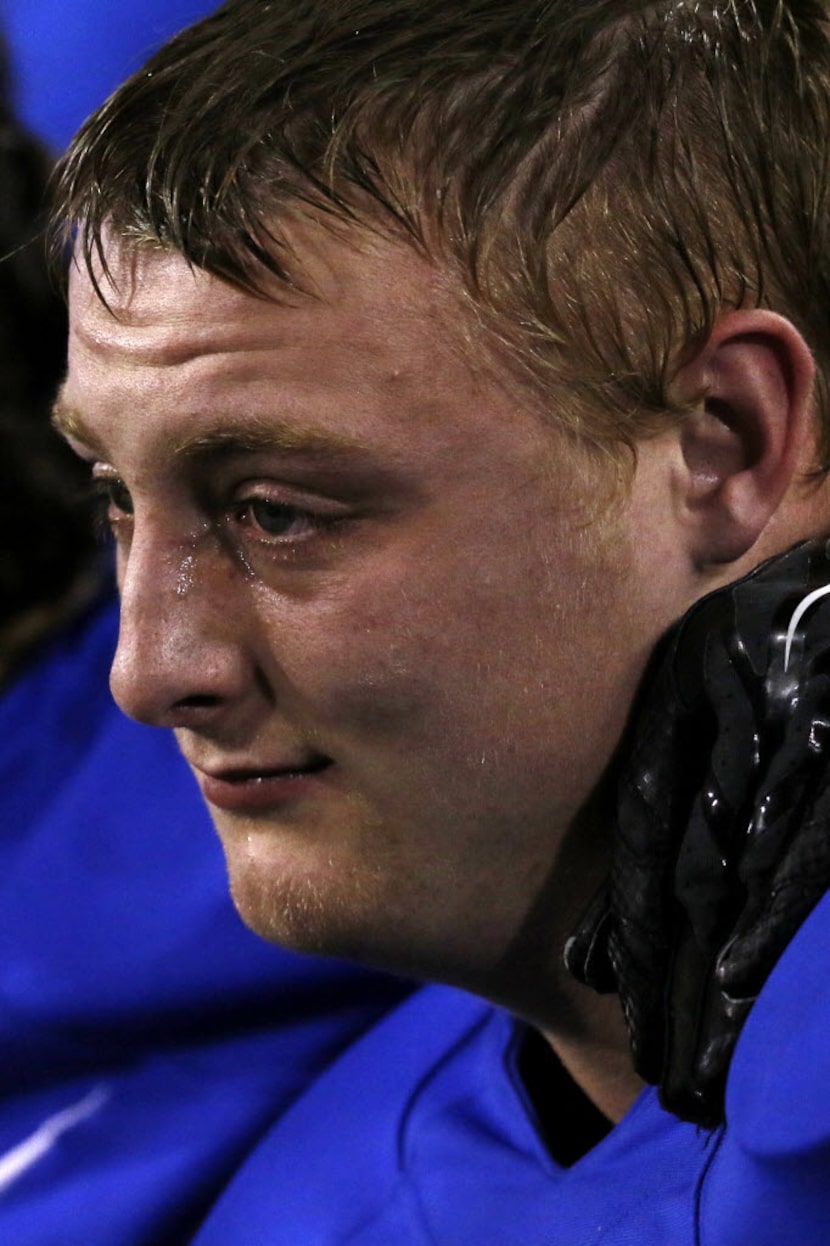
(180,660)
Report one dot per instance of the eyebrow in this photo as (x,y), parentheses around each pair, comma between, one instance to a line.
(248,436)
(69,423)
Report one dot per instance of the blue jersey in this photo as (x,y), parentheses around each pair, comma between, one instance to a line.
(421,1134)
(147,1039)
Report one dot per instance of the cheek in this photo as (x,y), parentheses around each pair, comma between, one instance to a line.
(464,666)
(367,662)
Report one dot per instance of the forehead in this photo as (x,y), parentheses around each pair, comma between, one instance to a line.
(371,351)
(151,303)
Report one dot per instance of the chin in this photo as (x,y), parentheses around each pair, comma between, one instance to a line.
(295,912)
(314,905)
(329,895)
(336,913)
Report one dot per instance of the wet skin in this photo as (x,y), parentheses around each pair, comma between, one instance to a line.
(360,580)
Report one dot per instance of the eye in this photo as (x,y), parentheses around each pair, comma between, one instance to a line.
(118,496)
(277,519)
(113,499)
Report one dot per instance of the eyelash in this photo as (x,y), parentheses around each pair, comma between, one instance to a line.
(102,490)
(246,516)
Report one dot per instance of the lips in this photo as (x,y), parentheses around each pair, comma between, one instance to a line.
(248,789)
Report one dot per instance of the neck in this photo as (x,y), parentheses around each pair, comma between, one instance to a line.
(596,1055)
(586,1031)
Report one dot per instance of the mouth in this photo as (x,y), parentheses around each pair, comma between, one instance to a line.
(242,790)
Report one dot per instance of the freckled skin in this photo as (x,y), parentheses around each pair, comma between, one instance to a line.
(454,634)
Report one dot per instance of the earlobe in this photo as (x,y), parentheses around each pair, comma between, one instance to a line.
(748,434)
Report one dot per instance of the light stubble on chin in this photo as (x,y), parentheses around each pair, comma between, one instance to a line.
(302,897)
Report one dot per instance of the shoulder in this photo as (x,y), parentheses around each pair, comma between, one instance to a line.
(769,1183)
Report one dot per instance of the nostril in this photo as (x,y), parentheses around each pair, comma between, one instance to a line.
(197,702)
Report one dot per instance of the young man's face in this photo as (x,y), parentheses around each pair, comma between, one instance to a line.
(364,583)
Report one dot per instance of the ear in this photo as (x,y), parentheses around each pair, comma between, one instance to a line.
(744,440)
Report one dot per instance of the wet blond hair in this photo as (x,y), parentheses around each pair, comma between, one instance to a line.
(601,177)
